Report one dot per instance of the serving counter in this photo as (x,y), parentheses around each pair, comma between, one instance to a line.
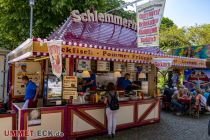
(89,119)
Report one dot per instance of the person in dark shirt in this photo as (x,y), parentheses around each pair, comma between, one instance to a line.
(124,82)
(90,82)
(31,92)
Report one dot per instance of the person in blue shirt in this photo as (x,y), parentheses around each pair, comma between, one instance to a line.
(31,92)
(124,82)
(90,82)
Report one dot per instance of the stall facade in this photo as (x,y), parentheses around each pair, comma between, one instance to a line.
(95,42)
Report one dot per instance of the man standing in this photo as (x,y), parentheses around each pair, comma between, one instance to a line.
(31,93)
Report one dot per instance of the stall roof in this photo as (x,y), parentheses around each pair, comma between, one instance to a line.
(100,34)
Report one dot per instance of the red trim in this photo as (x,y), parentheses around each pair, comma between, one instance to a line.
(147,112)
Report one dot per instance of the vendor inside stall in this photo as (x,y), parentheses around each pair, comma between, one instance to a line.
(89,82)
(125,83)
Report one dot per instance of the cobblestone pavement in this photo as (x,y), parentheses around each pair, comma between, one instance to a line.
(171,127)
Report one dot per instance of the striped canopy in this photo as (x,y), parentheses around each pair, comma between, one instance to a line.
(100,34)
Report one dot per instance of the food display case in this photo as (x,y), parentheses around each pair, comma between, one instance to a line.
(53,92)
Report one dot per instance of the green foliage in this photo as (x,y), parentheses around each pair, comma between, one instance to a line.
(48,14)
(162,78)
(172,37)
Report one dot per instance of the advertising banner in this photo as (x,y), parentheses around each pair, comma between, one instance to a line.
(55,54)
(25,68)
(197,78)
(149,17)
(162,63)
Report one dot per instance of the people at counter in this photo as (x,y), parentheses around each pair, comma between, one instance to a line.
(112,105)
(31,93)
(90,82)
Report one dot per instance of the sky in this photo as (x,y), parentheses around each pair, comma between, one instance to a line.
(185,13)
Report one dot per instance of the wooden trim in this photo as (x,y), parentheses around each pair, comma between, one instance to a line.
(84,119)
(146,113)
(92,118)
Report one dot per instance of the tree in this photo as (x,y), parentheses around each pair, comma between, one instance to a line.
(166,23)
(199,34)
(48,14)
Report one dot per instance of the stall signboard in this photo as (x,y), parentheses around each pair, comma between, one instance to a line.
(103,66)
(162,63)
(84,65)
(69,87)
(26,68)
(197,78)
(149,17)
(95,53)
(34,117)
(55,54)
(120,66)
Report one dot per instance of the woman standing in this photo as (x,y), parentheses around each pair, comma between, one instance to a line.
(112,105)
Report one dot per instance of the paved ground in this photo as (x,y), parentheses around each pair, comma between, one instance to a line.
(171,127)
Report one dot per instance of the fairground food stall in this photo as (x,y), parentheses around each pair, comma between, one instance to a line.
(109,50)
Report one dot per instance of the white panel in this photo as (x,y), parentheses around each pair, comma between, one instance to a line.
(151,115)
(50,121)
(142,108)
(156,111)
(125,115)
(80,125)
(5,124)
(97,114)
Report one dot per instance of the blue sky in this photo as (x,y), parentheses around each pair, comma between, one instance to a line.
(185,12)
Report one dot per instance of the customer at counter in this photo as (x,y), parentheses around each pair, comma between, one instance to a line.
(31,93)
(112,105)
(89,82)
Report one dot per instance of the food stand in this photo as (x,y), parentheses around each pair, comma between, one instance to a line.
(79,43)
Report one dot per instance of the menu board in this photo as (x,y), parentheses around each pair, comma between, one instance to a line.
(131,67)
(120,66)
(30,69)
(54,90)
(69,87)
(103,66)
(84,65)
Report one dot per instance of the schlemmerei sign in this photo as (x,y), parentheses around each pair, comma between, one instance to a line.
(149,17)
(102,17)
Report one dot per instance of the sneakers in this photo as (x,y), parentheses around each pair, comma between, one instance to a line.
(111,136)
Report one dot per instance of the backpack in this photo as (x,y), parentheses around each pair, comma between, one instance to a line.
(114,103)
